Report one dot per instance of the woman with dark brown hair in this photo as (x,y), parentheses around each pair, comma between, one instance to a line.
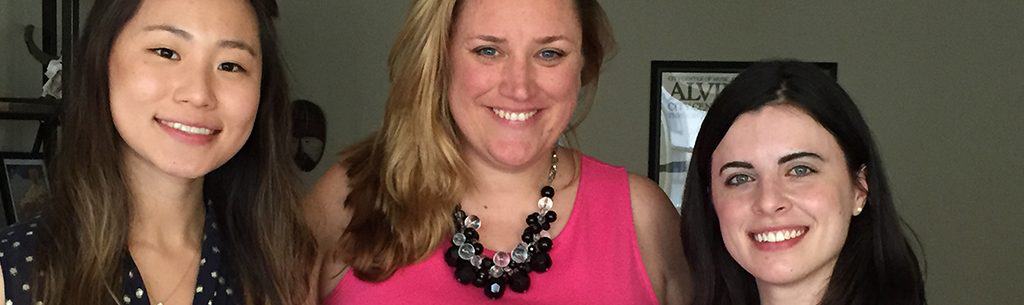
(465,195)
(173,183)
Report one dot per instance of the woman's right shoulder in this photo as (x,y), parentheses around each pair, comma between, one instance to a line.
(325,204)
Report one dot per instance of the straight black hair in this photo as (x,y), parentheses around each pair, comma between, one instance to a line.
(876,264)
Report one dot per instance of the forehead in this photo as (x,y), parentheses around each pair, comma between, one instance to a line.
(217,18)
(766,134)
(553,17)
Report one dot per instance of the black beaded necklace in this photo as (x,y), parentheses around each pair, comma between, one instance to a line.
(505,269)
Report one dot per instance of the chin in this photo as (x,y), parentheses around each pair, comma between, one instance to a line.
(513,155)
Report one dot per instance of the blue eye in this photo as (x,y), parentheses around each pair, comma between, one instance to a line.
(550,54)
(801,170)
(165,53)
(738,180)
(486,51)
(230,67)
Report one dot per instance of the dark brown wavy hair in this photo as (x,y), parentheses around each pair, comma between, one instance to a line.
(83,232)
(405,178)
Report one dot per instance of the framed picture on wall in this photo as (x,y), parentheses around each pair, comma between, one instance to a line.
(681,93)
(24,184)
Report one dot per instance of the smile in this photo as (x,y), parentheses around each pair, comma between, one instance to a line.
(514,116)
(186,128)
(779,236)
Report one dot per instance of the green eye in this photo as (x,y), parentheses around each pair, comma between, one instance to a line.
(738,180)
(486,51)
(801,171)
(550,55)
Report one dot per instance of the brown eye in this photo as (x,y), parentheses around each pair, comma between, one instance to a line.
(166,53)
(230,67)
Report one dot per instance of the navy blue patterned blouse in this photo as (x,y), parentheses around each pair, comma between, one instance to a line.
(214,284)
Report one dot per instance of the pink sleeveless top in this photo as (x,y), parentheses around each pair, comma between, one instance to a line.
(595,259)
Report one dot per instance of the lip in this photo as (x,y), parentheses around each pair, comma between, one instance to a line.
(526,115)
(780,245)
(185,137)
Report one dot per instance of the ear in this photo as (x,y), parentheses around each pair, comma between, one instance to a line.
(860,193)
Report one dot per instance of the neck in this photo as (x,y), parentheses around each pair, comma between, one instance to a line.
(167,210)
(807,291)
(494,182)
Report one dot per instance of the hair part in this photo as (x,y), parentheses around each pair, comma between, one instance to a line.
(406,177)
(83,233)
(876,264)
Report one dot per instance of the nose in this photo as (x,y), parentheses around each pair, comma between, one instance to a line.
(770,199)
(196,87)
(517,79)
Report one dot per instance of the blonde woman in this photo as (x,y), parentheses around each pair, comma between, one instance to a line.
(173,184)
(464,195)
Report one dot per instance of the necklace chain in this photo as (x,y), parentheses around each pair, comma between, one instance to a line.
(504,269)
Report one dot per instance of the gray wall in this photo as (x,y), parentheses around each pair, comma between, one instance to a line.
(939,82)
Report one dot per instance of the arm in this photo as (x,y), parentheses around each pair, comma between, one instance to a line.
(657,231)
(328,217)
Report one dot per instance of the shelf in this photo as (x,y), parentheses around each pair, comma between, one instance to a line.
(30,109)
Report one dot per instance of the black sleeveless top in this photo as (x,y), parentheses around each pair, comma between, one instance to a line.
(214,284)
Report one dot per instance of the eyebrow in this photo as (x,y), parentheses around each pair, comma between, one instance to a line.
(489,38)
(798,155)
(550,39)
(229,44)
(170,28)
(235,44)
(739,164)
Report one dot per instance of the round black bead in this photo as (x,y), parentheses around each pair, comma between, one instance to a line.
(544,244)
(486,264)
(479,248)
(465,274)
(527,237)
(481,278)
(540,262)
(471,235)
(551,216)
(547,191)
(533,249)
(545,226)
(533,219)
(452,256)
(519,282)
(494,289)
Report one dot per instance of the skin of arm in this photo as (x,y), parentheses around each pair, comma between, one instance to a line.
(657,226)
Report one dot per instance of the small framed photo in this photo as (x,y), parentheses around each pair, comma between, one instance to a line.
(681,93)
(25,184)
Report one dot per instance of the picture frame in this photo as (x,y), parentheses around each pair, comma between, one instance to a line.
(24,184)
(681,93)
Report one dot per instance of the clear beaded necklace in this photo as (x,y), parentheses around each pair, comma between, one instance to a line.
(504,269)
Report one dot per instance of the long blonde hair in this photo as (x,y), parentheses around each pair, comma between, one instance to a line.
(406,178)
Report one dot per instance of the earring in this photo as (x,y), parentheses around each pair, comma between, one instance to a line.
(857,211)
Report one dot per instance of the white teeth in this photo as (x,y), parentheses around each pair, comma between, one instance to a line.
(186,128)
(514,116)
(778,236)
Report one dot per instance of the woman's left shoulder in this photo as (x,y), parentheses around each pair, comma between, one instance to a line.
(648,198)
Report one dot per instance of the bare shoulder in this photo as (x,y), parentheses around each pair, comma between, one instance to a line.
(657,225)
(325,204)
(327,216)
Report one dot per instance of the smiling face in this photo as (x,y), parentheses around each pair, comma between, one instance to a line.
(185,84)
(783,195)
(515,77)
